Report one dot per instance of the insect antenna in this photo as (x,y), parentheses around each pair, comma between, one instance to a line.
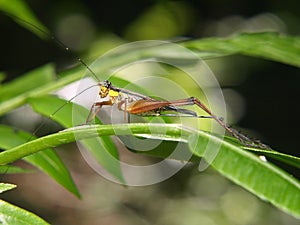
(67,49)
(45,120)
(58,109)
(57,41)
(51,36)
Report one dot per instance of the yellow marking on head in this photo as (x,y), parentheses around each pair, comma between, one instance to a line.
(103,91)
(113,93)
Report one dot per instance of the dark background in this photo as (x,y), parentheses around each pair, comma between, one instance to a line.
(270,90)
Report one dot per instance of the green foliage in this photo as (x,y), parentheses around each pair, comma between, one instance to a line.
(267,45)
(47,160)
(240,166)
(19,11)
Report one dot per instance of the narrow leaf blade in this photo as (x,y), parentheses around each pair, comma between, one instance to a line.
(10,214)
(19,11)
(267,45)
(262,178)
(6,187)
(47,161)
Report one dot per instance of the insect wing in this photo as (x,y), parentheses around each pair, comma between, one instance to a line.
(144,106)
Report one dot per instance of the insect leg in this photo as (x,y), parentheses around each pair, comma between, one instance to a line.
(183,112)
(126,113)
(144,106)
(182,115)
(241,137)
(99,105)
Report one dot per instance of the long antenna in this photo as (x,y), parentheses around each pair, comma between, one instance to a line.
(58,109)
(57,41)
(66,48)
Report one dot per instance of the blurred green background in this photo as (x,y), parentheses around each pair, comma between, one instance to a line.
(262,96)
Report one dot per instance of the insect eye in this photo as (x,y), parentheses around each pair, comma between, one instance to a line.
(107,83)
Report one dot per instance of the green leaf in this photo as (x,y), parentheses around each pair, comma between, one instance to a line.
(288,159)
(267,45)
(45,72)
(19,11)
(10,214)
(259,177)
(16,92)
(47,160)
(244,168)
(70,115)
(6,187)
(81,133)
(10,169)
(27,82)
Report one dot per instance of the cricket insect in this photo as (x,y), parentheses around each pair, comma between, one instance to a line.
(138,104)
(135,103)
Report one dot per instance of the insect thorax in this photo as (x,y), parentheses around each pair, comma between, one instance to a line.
(124,101)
